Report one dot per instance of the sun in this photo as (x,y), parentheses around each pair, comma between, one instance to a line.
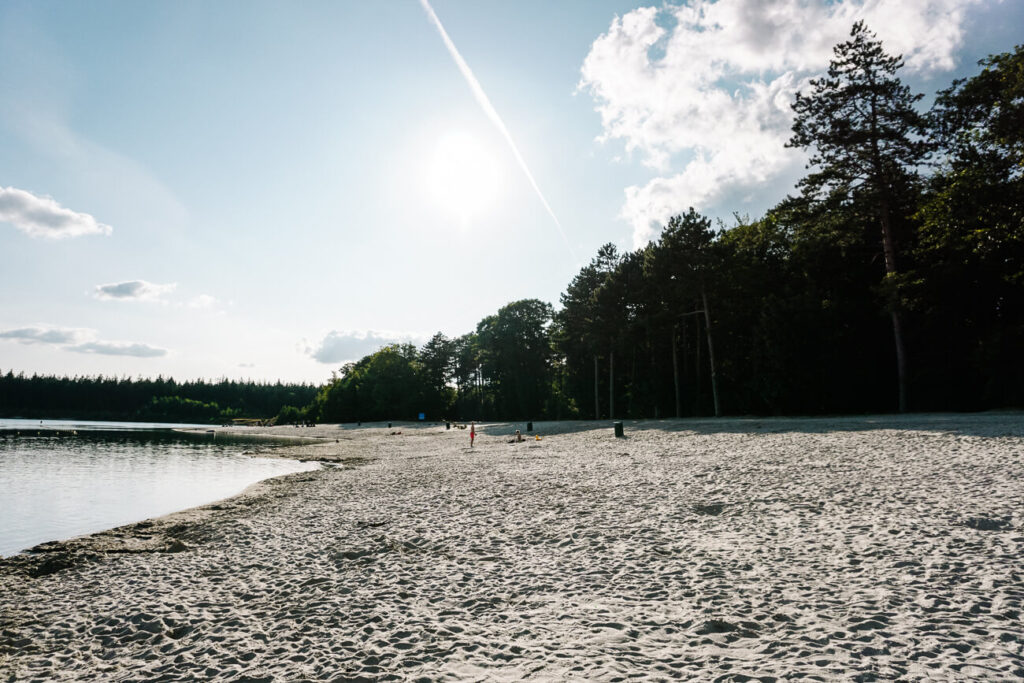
(463,176)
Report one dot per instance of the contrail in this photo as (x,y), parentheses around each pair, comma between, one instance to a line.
(492,113)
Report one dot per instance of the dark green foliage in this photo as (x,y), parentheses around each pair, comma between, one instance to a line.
(866,140)
(289,415)
(860,122)
(469,394)
(968,288)
(113,398)
(575,335)
(516,358)
(684,264)
(437,358)
(587,333)
(981,119)
(503,369)
(386,385)
(178,409)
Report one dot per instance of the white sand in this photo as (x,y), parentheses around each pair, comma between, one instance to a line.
(851,549)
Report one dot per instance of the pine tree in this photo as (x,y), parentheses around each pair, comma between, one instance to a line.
(867,139)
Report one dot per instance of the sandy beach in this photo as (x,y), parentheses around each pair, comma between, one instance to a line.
(863,548)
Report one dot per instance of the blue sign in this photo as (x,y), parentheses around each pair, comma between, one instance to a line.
(423,416)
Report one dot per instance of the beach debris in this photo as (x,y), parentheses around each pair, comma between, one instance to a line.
(744,629)
(353,554)
(52,564)
(987,524)
(372,523)
(709,509)
(177,631)
(46,559)
(175,546)
(716,626)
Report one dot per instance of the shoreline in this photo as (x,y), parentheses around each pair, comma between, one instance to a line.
(877,545)
(83,523)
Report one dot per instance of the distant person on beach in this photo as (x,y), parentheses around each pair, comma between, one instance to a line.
(472,433)
(519,437)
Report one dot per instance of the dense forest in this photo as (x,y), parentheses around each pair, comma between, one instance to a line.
(892,279)
(155,400)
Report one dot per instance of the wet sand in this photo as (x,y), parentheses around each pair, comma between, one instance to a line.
(832,549)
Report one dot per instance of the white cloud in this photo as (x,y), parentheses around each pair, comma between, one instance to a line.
(44,217)
(339,347)
(133,290)
(702,92)
(46,334)
(141,290)
(133,349)
(79,340)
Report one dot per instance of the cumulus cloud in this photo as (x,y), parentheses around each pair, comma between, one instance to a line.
(45,334)
(133,290)
(133,349)
(337,347)
(79,340)
(141,290)
(44,217)
(701,92)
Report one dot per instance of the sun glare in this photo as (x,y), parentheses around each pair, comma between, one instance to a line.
(463,176)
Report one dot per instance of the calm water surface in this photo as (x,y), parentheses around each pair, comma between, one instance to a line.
(67,478)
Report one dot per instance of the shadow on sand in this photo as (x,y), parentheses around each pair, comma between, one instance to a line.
(988,424)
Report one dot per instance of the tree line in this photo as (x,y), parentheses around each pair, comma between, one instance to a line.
(156,400)
(891,279)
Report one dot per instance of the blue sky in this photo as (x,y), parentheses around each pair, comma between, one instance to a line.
(266,190)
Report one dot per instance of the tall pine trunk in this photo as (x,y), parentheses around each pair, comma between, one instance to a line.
(630,395)
(611,384)
(697,369)
(652,374)
(889,250)
(675,371)
(711,351)
(480,391)
(597,396)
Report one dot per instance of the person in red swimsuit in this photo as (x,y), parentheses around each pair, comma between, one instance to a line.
(472,433)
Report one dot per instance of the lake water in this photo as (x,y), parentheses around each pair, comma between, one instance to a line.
(60,479)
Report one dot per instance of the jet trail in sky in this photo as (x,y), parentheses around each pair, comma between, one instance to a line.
(492,114)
